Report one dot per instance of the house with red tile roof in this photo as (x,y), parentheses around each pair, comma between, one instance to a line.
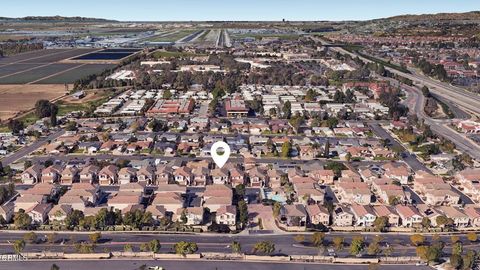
(409,215)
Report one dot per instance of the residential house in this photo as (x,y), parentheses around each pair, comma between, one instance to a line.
(460,219)
(163,174)
(388,212)
(409,216)
(293,215)
(216,196)
(59,213)
(227,215)
(158,212)
(89,174)
(354,192)
(318,215)
(122,200)
(108,175)
(473,213)
(364,215)
(237,176)
(7,211)
(171,201)
(322,176)
(258,178)
(220,176)
(397,171)
(342,217)
(70,175)
(39,213)
(32,174)
(146,174)
(183,176)
(52,173)
(200,176)
(127,175)
(194,215)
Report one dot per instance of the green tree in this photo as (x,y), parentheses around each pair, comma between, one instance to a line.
(326,149)
(18,246)
(243,212)
(374,248)
(455,239)
(15,126)
(338,242)
(425,91)
(95,237)
(154,245)
(348,157)
(184,248)
(51,238)
(236,247)
(426,223)
(299,238)
(73,219)
(429,253)
(444,221)
(127,248)
(286,149)
(30,237)
(183,217)
(417,239)
(310,95)
(332,122)
(22,220)
(456,261)
(457,248)
(287,109)
(167,94)
(265,247)
(318,239)
(380,223)
(144,247)
(276,209)
(357,245)
(472,237)
(469,259)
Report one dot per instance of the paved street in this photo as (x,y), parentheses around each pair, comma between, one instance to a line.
(285,244)
(188,265)
(26,150)
(410,159)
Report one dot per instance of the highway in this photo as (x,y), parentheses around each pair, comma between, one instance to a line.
(454,95)
(188,265)
(416,103)
(461,97)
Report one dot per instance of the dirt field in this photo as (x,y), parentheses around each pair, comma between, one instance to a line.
(18,98)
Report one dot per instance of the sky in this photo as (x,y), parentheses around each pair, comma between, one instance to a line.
(228,10)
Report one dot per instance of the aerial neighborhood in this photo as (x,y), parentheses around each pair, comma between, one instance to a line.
(354,136)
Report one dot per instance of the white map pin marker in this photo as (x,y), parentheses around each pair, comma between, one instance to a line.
(220,152)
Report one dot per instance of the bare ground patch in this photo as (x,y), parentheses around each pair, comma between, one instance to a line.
(15,99)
